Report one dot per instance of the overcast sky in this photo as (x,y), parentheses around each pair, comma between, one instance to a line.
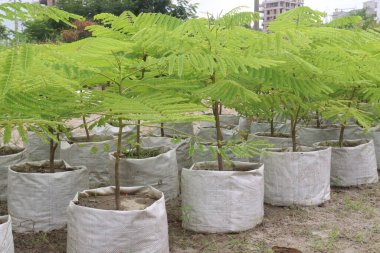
(216,6)
(328,6)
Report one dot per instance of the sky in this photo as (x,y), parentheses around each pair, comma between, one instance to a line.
(216,6)
(328,6)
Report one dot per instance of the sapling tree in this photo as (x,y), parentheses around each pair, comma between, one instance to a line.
(321,50)
(135,92)
(213,50)
(31,98)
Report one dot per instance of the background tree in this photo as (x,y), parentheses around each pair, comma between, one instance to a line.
(42,30)
(183,9)
(89,8)
(368,21)
(5,33)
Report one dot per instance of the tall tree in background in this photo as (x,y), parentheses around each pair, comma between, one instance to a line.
(47,30)
(368,21)
(183,9)
(4,33)
(89,8)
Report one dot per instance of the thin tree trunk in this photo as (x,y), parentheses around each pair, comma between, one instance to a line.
(219,136)
(318,119)
(294,129)
(117,165)
(138,142)
(341,135)
(272,124)
(220,109)
(52,149)
(86,128)
(51,156)
(294,140)
(162,130)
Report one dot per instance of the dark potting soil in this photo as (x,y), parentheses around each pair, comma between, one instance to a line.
(143,154)
(40,169)
(6,150)
(93,138)
(212,166)
(335,144)
(275,135)
(128,202)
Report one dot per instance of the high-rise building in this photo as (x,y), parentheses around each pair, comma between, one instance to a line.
(48,2)
(373,8)
(272,8)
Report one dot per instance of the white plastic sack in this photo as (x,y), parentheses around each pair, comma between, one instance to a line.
(258,127)
(244,127)
(275,142)
(6,237)
(98,231)
(93,155)
(5,162)
(374,134)
(108,129)
(309,136)
(37,149)
(160,172)
(222,201)
(352,166)
(38,201)
(205,154)
(209,134)
(297,178)
(226,121)
(182,148)
(185,130)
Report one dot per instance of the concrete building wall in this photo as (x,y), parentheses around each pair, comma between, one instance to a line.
(272,8)
(373,8)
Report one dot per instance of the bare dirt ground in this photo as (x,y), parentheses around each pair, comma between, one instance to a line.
(349,223)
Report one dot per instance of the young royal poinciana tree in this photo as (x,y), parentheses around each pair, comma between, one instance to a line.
(32,98)
(213,50)
(135,91)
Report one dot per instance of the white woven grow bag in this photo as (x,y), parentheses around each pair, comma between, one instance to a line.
(259,127)
(160,172)
(93,155)
(222,201)
(182,148)
(274,142)
(37,149)
(309,136)
(5,162)
(209,134)
(99,231)
(6,237)
(205,154)
(297,178)
(109,129)
(38,201)
(185,130)
(374,134)
(226,121)
(352,166)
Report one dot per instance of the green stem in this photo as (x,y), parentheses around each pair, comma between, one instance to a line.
(117,165)
(138,141)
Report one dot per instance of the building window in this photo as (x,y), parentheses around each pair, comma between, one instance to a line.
(268,12)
